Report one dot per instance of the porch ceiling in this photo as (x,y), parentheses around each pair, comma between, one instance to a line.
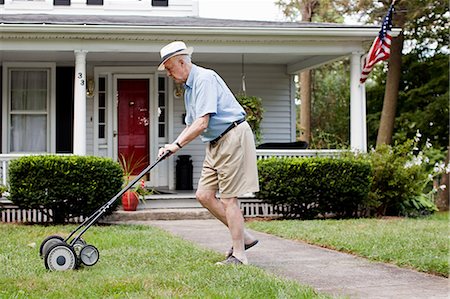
(152,58)
(298,46)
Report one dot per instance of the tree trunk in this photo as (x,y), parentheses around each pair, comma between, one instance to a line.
(307,11)
(305,108)
(386,128)
(444,196)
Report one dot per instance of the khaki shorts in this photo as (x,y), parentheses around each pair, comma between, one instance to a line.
(230,164)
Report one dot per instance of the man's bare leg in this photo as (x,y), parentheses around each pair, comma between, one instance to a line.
(208,199)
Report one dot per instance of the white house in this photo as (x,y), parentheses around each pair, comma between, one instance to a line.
(80,76)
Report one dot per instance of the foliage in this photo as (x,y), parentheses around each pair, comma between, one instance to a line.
(423,21)
(313,186)
(129,167)
(70,186)
(319,11)
(403,179)
(254,109)
(135,262)
(419,243)
(422,104)
(393,183)
(330,109)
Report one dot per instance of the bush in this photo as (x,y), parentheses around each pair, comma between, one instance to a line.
(402,179)
(313,186)
(68,185)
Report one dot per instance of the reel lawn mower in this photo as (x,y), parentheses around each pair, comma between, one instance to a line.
(61,254)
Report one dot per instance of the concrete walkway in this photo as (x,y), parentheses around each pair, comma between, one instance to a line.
(325,270)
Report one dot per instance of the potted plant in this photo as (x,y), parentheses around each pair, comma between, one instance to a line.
(131,197)
(254,109)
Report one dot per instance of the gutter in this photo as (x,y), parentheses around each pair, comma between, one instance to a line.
(363,32)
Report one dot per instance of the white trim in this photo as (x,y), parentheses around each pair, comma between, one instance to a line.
(333,32)
(358,127)
(293,90)
(170,131)
(51,102)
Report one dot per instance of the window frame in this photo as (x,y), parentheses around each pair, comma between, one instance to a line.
(94,2)
(61,2)
(160,3)
(8,67)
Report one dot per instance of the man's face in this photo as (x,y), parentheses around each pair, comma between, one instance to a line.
(176,69)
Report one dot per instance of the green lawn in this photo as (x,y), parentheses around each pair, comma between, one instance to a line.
(421,244)
(135,262)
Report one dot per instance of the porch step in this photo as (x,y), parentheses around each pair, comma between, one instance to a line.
(176,207)
(160,214)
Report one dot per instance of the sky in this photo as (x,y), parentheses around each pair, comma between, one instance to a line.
(261,10)
(264,10)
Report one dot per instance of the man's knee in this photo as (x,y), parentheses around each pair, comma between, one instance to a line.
(205,196)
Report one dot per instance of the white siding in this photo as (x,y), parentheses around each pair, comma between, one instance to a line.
(176,8)
(271,83)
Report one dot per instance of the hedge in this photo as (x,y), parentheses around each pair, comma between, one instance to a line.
(68,185)
(310,187)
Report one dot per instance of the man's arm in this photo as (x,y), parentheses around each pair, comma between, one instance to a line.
(187,135)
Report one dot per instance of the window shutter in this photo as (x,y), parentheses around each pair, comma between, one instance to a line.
(160,2)
(94,2)
(61,2)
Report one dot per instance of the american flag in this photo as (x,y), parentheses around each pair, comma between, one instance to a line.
(381,47)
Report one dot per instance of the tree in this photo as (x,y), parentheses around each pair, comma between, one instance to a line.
(306,10)
(423,21)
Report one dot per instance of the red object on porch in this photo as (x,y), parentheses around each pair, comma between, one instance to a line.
(130,201)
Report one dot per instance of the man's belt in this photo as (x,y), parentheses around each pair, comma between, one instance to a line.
(233,124)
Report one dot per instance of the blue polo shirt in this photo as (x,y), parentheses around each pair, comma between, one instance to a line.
(207,93)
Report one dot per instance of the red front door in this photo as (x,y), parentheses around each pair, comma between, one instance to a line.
(133,121)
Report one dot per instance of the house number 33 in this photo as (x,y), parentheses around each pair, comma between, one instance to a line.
(80,76)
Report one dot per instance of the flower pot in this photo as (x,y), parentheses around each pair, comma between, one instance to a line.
(130,201)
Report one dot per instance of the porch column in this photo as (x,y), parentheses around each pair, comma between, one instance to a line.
(358,127)
(79,117)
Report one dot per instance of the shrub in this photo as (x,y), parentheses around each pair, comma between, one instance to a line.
(402,179)
(68,185)
(394,182)
(313,186)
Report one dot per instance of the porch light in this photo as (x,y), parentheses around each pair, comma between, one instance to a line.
(90,87)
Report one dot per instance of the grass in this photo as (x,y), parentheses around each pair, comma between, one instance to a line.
(135,262)
(421,243)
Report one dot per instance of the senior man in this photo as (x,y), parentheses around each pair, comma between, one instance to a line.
(229,168)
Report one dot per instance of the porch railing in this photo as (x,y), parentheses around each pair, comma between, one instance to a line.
(285,153)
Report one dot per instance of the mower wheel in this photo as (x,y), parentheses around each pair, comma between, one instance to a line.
(60,257)
(49,242)
(89,255)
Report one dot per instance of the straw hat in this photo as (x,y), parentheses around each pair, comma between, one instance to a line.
(171,50)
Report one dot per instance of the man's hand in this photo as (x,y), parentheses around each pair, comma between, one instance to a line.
(171,147)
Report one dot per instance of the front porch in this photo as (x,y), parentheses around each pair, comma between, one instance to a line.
(174,204)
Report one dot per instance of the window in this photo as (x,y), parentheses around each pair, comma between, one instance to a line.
(28,110)
(2,1)
(61,2)
(102,109)
(162,107)
(160,2)
(94,2)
